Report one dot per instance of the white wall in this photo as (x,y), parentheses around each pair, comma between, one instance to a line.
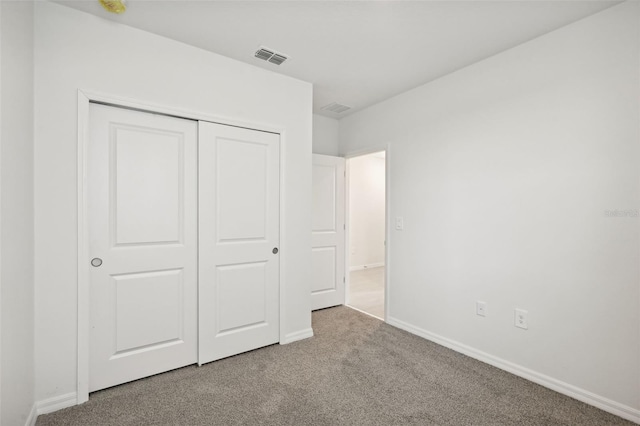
(503,172)
(325,135)
(366,211)
(16,212)
(75,51)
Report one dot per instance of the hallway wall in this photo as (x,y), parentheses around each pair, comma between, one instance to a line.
(366,211)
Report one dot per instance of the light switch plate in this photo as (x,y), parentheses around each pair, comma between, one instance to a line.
(481,309)
(399,223)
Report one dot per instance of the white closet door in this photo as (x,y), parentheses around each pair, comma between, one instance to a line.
(327,232)
(142,182)
(239,237)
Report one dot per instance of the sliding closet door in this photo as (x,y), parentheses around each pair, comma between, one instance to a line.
(239,240)
(142,189)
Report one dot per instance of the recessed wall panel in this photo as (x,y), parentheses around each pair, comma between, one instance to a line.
(323,261)
(241,295)
(147,190)
(148,309)
(324,198)
(242,180)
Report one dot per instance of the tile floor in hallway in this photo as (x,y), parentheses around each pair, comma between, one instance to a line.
(366,291)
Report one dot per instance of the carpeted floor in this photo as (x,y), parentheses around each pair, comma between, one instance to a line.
(355,371)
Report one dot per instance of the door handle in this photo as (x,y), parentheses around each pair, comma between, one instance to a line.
(96,262)
(275,250)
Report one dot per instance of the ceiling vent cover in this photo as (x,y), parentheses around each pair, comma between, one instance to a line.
(264,54)
(336,107)
(270,55)
(277,59)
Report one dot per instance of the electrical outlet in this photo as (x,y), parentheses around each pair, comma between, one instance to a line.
(481,308)
(399,223)
(521,319)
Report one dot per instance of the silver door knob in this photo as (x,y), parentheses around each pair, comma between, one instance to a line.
(275,250)
(96,261)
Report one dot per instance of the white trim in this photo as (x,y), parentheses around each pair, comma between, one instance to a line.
(82,376)
(282,229)
(347,231)
(297,335)
(369,266)
(84,99)
(56,403)
(637,414)
(387,231)
(1,191)
(120,101)
(567,389)
(33,416)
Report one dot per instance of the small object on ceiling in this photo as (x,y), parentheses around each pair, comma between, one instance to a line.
(114,6)
(269,55)
(336,107)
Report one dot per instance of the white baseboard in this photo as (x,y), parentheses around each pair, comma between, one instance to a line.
(297,335)
(33,416)
(56,403)
(369,266)
(585,396)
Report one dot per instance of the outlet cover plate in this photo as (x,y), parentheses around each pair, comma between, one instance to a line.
(521,320)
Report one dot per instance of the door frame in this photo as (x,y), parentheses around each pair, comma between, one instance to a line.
(387,220)
(85,98)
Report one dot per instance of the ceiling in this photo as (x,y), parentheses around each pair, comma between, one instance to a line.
(354,52)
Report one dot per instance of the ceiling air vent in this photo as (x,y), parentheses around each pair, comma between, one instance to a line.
(277,59)
(270,56)
(264,54)
(336,107)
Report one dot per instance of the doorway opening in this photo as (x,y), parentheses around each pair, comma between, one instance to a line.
(366,207)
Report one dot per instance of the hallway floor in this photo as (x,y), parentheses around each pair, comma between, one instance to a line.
(366,291)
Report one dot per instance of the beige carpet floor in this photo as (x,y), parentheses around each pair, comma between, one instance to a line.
(355,371)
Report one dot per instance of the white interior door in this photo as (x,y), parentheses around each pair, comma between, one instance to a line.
(239,236)
(327,232)
(142,214)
